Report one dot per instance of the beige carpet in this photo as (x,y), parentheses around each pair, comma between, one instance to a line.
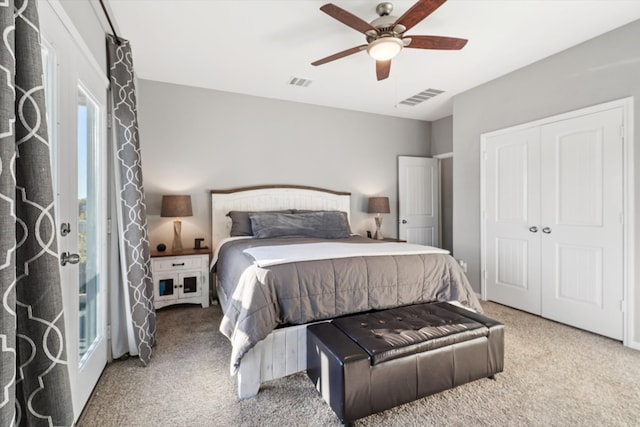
(554,376)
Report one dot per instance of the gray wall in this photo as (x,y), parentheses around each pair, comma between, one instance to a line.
(194,140)
(603,69)
(442,136)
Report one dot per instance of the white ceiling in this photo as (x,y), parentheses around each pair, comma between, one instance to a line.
(254,47)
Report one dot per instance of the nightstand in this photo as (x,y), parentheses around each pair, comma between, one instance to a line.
(180,277)
(391,239)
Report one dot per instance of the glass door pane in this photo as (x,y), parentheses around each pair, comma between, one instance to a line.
(88,222)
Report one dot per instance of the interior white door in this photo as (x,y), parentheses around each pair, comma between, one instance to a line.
(76,104)
(419,200)
(512,214)
(581,220)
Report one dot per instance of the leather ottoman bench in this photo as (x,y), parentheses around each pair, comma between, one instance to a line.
(370,362)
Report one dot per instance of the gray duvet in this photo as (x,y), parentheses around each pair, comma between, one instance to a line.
(261,299)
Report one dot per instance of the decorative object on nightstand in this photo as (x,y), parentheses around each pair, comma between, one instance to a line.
(198,243)
(180,278)
(378,206)
(176,206)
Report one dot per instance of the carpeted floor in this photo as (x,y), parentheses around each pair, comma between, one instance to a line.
(554,375)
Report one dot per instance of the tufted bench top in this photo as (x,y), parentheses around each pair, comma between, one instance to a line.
(397,332)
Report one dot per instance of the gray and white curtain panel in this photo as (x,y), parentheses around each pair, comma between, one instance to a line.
(132,211)
(34,378)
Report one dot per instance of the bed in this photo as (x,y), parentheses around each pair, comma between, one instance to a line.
(272,283)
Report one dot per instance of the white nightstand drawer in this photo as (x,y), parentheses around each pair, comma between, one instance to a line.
(178,263)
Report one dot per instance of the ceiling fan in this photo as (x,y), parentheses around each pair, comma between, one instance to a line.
(385,35)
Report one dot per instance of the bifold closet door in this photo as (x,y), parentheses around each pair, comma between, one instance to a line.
(581,222)
(512,217)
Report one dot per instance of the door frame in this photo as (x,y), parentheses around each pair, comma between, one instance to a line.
(441,157)
(628,303)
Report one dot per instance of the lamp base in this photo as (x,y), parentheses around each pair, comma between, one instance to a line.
(177,238)
(378,235)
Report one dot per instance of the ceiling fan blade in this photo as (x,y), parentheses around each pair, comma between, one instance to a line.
(382,69)
(347,18)
(435,42)
(418,12)
(340,55)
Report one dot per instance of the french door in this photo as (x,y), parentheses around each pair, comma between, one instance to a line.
(76,103)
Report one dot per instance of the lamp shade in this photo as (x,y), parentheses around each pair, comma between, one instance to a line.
(176,206)
(379,205)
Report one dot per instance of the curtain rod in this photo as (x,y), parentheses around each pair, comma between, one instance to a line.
(113,30)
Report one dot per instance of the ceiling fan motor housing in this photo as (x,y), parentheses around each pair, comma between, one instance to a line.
(386,28)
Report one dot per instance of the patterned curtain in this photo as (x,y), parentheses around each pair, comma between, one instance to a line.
(132,215)
(34,378)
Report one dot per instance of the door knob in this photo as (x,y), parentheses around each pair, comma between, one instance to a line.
(404,221)
(533,229)
(69,258)
(546,230)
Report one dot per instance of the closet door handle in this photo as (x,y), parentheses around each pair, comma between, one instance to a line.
(533,229)
(546,230)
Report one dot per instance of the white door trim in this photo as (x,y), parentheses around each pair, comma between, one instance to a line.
(628,304)
(77,38)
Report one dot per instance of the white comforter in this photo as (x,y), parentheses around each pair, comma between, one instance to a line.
(266,256)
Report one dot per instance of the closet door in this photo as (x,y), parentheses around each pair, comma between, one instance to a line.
(512,201)
(581,222)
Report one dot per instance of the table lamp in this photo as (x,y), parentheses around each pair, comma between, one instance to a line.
(176,206)
(378,205)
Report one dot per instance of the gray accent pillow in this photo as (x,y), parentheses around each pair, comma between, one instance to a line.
(241,224)
(326,225)
(346,216)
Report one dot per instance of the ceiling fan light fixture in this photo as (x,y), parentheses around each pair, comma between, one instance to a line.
(384,48)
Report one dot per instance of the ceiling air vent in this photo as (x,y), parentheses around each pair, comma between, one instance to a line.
(421,97)
(298,81)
